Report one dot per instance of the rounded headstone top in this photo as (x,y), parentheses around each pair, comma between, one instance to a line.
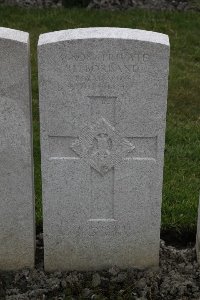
(104,33)
(15,35)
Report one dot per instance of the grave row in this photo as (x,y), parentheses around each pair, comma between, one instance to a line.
(103,99)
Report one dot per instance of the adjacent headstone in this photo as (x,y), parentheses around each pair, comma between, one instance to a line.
(103,98)
(198,235)
(16,163)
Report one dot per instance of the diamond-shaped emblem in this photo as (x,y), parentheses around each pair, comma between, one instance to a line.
(101,146)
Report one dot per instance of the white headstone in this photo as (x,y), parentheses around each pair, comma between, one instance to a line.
(16,163)
(103,98)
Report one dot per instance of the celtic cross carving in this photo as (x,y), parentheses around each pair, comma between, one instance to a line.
(102,146)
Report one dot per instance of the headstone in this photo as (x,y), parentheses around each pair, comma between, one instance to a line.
(198,235)
(103,98)
(16,163)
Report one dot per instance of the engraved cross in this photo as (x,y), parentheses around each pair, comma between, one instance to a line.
(100,146)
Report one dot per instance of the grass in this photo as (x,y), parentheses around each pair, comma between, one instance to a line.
(182,155)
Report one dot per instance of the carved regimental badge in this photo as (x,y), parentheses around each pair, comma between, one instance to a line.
(101,146)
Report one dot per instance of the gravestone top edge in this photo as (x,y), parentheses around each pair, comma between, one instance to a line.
(15,35)
(103,33)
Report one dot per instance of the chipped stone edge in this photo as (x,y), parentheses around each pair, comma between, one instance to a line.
(103,33)
(15,35)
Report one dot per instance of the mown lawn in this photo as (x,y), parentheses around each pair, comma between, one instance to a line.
(182,156)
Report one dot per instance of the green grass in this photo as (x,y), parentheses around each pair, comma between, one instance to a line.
(182,156)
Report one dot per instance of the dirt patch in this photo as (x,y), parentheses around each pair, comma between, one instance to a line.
(177,278)
(160,5)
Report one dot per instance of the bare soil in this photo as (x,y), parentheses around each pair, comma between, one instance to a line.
(178,277)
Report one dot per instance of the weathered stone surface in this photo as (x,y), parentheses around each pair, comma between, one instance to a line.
(103,101)
(16,164)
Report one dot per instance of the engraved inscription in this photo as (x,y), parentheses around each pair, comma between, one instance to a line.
(104,70)
(99,67)
(106,56)
(122,62)
(105,81)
